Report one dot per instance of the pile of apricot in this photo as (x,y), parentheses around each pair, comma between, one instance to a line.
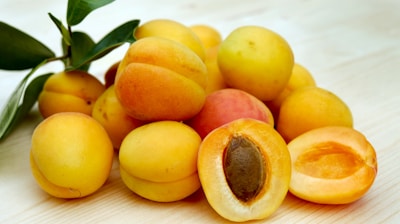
(186,109)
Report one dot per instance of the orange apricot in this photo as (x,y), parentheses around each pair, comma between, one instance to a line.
(215,78)
(172,30)
(244,169)
(161,79)
(300,77)
(109,112)
(332,165)
(311,107)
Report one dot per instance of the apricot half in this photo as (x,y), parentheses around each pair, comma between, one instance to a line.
(332,165)
(244,169)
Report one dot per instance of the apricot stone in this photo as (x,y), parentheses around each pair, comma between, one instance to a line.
(226,105)
(244,169)
(332,165)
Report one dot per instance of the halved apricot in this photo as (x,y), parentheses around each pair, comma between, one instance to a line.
(332,165)
(244,169)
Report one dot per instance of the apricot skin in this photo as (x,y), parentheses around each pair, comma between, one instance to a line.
(71,155)
(256,60)
(160,79)
(158,161)
(311,107)
(226,105)
(112,116)
(172,30)
(73,91)
(277,168)
(332,165)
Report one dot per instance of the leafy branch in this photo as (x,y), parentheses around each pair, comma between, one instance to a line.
(19,51)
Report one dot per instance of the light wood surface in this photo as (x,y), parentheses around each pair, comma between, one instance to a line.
(352,47)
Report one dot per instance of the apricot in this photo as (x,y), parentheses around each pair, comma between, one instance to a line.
(172,30)
(109,76)
(74,91)
(311,107)
(208,35)
(332,165)
(300,77)
(160,79)
(215,79)
(256,60)
(158,161)
(226,105)
(244,169)
(109,112)
(71,155)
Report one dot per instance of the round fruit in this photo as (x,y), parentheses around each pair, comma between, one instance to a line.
(171,30)
(244,169)
(108,112)
(158,161)
(332,165)
(256,60)
(226,105)
(311,107)
(71,155)
(73,91)
(161,79)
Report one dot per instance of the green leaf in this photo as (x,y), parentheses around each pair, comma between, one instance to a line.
(31,96)
(63,30)
(20,51)
(8,114)
(78,9)
(81,44)
(117,37)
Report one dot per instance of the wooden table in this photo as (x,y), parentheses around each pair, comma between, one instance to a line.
(352,47)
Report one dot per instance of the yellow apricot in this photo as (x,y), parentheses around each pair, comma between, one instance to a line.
(311,107)
(300,77)
(108,112)
(172,30)
(74,91)
(332,165)
(158,161)
(161,79)
(71,155)
(215,78)
(256,60)
(209,36)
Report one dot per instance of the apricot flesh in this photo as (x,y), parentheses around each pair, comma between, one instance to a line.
(268,187)
(332,165)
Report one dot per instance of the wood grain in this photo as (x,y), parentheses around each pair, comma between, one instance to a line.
(351,47)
